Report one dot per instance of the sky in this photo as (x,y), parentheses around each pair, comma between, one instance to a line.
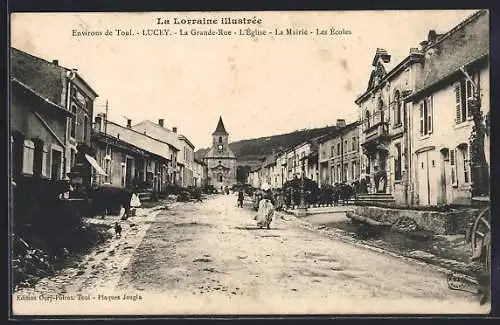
(261,85)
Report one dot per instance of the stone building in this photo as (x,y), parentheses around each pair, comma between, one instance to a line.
(200,173)
(220,160)
(384,138)
(456,64)
(51,118)
(184,159)
(339,155)
(131,159)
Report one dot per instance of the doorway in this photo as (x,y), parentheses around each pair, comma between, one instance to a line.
(129,172)
(56,164)
(423,178)
(445,158)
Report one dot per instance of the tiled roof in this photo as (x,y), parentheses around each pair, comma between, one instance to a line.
(158,132)
(139,140)
(40,97)
(334,134)
(45,78)
(464,44)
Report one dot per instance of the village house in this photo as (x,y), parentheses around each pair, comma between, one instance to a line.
(200,173)
(384,141)
(281,169)
(339,158)
(51,114)
(292,164)
(455,65)
(269,171)
(184,160)
(151,169)
(254,177)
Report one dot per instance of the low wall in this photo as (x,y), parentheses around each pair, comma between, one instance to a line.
(444,223)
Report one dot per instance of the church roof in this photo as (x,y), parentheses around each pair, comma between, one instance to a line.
(220,129)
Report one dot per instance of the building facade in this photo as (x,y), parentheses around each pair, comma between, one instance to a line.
(339,157)
(200,174)
(441,121)
(154,170)
(384,144)
(51,118)
(220,160)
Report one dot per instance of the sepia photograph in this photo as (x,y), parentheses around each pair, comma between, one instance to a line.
(250,163)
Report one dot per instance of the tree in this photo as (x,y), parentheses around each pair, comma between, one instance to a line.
(479,167)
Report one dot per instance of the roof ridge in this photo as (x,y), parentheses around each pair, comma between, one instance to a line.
(37,58)
(457,27)
(143,134)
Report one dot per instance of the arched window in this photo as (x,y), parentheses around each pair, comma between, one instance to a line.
(397,108)
(220,139)
(381,109)
(367,119)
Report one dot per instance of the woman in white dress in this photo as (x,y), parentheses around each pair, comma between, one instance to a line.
(265,213)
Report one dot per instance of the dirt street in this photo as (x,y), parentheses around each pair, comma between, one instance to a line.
(213,249)
(209,258)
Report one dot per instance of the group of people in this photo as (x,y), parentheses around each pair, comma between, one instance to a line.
(265,212)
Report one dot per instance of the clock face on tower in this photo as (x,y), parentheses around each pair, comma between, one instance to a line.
(219,147)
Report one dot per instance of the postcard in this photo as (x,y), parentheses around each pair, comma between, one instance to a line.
(263,163)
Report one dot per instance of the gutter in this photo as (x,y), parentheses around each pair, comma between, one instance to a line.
(442,79)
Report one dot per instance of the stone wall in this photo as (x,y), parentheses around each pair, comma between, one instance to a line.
(444,223)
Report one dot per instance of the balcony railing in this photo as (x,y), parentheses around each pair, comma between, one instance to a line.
(377,127)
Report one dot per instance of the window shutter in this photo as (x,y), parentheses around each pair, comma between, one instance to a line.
(452,157)
(458,106)
(28,156)
(469,95)
(422,118)
(429,115)
(45,161)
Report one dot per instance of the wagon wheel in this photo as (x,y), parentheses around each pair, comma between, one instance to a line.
(481,239)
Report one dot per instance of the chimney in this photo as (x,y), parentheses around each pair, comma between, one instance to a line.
(431,37)
(174,129)
(340,123)
(161,122)
(129,123)
(423,44)
(98,123)
(55,62)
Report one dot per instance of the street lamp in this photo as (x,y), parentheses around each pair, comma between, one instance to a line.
(302,210)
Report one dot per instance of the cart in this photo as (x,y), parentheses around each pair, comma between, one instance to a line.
(479,237)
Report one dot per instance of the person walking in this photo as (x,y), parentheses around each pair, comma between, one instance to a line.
(266,211)
(241,197)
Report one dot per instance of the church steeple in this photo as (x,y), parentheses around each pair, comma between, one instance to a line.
(220,129)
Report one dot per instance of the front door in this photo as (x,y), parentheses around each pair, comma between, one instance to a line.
(423,178)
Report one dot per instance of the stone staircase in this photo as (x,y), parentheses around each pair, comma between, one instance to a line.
(376,198)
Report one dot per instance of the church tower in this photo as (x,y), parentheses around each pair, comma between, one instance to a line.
(220,160)
(220,137)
